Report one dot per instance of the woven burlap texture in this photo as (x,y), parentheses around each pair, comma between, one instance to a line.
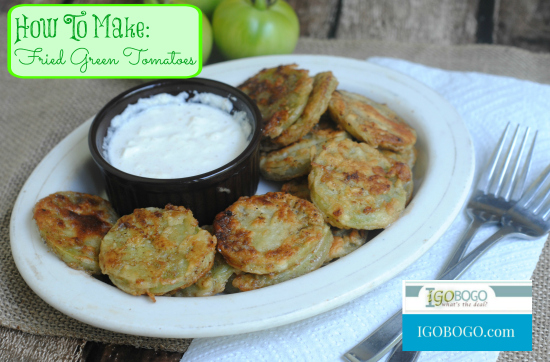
(36,114)
(17,346)
(541,314)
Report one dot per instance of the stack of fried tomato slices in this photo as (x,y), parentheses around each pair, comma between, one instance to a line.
(151,251)
(346,161)
(347,155)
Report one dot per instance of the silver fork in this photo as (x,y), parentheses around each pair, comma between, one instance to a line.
(498,189)
(484,208)
(529,218)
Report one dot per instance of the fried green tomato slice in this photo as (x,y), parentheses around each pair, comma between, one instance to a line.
(297,187)
(356,187)
(408,157)
(345,242)
(211,283)
(73,224)
(155,251)
(281,94)
(295,160)
(268,233)
(314,260)
(324,84)
(371,122)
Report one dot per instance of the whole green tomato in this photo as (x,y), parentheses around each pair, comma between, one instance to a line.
(206,6)
(246,28)
(206,39)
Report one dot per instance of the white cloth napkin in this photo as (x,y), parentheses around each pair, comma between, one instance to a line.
(486,103)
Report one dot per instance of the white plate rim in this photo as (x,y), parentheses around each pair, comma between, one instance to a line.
(82,297)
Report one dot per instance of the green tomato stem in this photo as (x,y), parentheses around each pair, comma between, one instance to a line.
(263,4)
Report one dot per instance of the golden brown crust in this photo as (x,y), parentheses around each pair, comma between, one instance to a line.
(324,84)
(356,187)
(315,259)
(211,283)
(371,122)
(345,242)
(297,187)
(295,160)
(281,94)
(155,251)
(268,233)
(73,225)
(408,157)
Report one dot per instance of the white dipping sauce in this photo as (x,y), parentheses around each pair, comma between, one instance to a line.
(166,136)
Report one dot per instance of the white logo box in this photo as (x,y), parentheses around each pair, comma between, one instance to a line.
(467,297)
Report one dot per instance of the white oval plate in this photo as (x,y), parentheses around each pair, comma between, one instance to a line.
(443,178)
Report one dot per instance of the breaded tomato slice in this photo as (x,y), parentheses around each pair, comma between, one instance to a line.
(295,160)
(371,122)
(297,187)
(356,187)
(408,157)
(268,233)
(313,260)
(345,242)
(281,94)
(324,84)
(211,283)
(155,251)
(73,224)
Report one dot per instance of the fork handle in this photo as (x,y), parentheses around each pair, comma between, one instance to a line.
(377,344)
(398,355)
(464,242)
(457,270)
(388,334)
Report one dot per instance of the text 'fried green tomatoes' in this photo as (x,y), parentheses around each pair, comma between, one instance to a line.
(73,224)
(312,261)
(154,251)
(371,122)
(268,233)
(281,94)
(356,187)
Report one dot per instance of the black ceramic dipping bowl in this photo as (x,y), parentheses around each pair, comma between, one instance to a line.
(206,194)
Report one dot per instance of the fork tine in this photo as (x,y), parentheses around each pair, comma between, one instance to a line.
(517,181)
(500,180)
(517,160)
(542,200)
(518,189)
(487,176)
(546,214)
(531,194)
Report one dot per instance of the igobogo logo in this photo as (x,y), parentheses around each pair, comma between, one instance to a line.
(437,297)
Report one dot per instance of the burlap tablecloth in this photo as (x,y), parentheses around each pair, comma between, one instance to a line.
(36,114)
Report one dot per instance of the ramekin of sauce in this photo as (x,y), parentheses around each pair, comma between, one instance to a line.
(190,142)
